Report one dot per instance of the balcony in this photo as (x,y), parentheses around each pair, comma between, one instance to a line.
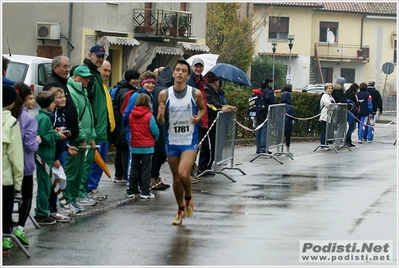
(162,24)
(342,53)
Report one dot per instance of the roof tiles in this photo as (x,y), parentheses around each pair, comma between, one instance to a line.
(370,8)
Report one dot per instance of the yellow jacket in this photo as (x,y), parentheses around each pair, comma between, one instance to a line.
(110,108)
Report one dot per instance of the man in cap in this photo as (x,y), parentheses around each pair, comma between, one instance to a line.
(197,80)
(75,191)
(98,99)
(377,105)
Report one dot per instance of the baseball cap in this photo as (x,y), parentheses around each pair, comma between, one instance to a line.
(98,50)
(198,61)
(82,71)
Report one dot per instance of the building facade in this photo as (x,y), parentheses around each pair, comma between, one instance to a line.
(136,35)
(331,39)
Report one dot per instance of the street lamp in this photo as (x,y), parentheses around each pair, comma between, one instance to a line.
(274,59)
(290,45)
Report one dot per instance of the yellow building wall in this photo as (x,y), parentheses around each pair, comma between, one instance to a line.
(378,33)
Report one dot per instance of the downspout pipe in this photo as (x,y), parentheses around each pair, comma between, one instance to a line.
(70,28)
(361,32)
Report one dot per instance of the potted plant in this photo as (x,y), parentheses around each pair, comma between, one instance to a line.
(179,26)
(164,29)
(184,24)
(173,24)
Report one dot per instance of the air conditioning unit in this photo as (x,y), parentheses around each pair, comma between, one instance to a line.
(48,30)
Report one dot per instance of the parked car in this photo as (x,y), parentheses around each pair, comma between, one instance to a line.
(318,88)
(293,90)
(32,70)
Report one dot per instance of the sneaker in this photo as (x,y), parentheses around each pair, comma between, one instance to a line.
(7,244)
(59,217)
(290,154)
(21,237)
(118,180)
(178,220)
(72,208)
(79,206)
(45,220)
(359,141)
(132,195)
(18,196)
(193,180)
(189,207)
(96,194)
(85,201)
(147,196)
(156,184)
(369,141)
(65,211)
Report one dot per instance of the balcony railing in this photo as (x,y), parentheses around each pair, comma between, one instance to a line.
(332,52)
(162,23)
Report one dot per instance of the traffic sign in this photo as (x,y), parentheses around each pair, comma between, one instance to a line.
(388,68)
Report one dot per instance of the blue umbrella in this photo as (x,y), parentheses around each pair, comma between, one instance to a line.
(231,73)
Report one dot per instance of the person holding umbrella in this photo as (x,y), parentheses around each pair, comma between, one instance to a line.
(216,102)
(197,80)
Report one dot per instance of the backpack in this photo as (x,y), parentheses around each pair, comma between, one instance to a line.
(126,98)
(317,108)
(255,103)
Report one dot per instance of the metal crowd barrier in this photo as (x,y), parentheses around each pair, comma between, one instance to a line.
(275,131)
(224,144)
(336,127)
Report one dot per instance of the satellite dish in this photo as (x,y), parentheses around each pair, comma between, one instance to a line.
(330,37)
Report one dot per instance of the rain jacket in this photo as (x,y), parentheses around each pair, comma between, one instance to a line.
(287,99)
(28,125)
(325,101)
(200,83)
(339,93)
(119,134)
(165,80)
(376,99)
(143,130)
(129,109)
(268,99)
(87,130)
(97,98)
(215,102)
(49,137)
(366,107)
(13,164)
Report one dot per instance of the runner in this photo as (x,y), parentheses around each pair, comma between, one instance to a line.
(181,107)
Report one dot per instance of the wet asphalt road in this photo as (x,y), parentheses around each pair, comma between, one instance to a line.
(256,221)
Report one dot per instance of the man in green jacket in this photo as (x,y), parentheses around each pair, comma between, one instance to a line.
(98,100)
(75,191)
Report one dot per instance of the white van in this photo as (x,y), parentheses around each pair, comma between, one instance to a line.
(31,70)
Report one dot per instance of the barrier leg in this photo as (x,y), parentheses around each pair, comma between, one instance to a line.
(16,240)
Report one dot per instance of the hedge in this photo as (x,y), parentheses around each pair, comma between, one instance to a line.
(303,103)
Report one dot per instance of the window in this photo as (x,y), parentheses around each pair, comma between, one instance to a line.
(44,72)
(348,74)
(325,27)
(278,28)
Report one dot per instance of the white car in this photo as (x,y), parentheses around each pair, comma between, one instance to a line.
(31,70)
(318,88)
